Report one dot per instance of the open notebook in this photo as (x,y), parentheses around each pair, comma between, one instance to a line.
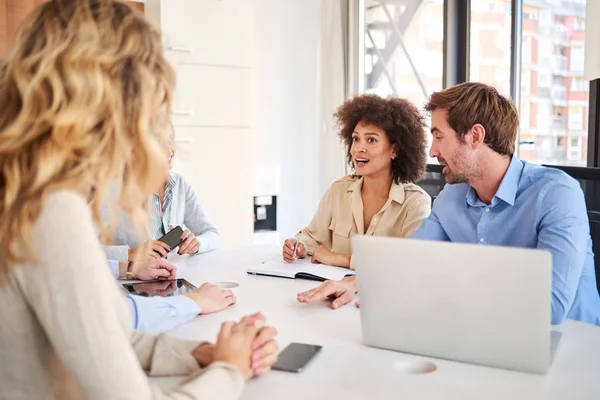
(301,269)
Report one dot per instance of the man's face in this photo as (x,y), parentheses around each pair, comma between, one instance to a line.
(450,150)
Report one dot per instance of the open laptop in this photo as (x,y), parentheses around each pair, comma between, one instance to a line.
(480,304)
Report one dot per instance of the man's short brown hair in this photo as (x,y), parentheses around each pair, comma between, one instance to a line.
(473,103)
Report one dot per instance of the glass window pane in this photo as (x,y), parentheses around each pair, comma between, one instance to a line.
(554,95)
(404,48)
(404,54)
(490,44)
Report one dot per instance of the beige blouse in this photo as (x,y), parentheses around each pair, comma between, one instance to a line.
(66,333)
(340,215)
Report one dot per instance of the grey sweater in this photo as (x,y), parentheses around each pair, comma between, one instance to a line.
(186,211)
(65,332)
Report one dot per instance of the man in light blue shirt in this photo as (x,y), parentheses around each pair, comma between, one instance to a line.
(494,198)
(534,207)
(160,314)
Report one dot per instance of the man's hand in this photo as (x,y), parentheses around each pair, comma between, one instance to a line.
(153,269)
(211,298)
(341,292)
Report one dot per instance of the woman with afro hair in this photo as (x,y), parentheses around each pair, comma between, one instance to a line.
(386,145)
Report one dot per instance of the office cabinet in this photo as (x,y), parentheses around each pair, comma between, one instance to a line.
(210,45)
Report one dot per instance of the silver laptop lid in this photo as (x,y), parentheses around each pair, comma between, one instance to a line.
(486,305)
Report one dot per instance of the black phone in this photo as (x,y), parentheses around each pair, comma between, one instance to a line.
(173,238)
(164,288)
(295,357)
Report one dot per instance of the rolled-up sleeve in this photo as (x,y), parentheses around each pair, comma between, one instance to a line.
(564,231)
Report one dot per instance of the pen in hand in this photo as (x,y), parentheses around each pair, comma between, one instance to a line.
(296,245)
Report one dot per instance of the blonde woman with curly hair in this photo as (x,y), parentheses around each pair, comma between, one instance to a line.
(84,99)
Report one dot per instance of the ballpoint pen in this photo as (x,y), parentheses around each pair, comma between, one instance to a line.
(296,245)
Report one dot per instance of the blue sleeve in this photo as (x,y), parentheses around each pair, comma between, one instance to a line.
(114,266)
(564,231)
(430,228)
(161,314)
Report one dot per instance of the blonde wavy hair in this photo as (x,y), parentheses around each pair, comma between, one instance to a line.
(85,94)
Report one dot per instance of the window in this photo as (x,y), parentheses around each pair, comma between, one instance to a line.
(490,52)
(544,79)
(553,102)
(578,85)
(404,49)
(574,150)
(546,16)
(390,70)
(530,13)
(525,82)
(544,110)
(574,142)
(525,116)
(579,24)
(577,54)
(526,50)
(561,99)
(575,118)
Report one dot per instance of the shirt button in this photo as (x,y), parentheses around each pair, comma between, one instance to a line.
(481,240)
(487,209)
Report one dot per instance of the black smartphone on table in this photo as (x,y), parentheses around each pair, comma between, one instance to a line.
(173,237)
(295,357)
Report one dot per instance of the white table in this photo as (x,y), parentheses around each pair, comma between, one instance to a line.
(346,369)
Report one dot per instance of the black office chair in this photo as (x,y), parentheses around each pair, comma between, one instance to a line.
(589,179)
(434,180)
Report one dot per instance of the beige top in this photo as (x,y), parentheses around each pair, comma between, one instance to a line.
(66,333)
(340,215)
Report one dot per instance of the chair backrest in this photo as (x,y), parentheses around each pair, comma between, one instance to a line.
(594,217)
(434,180)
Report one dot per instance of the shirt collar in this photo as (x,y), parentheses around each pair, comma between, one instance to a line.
(507,191)
(170,184)
(396,190)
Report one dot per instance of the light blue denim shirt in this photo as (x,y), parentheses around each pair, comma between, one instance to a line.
(534,207)
(158,314)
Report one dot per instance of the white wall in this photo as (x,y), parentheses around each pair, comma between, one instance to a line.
(291,151)
(210,45)
(286,107)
